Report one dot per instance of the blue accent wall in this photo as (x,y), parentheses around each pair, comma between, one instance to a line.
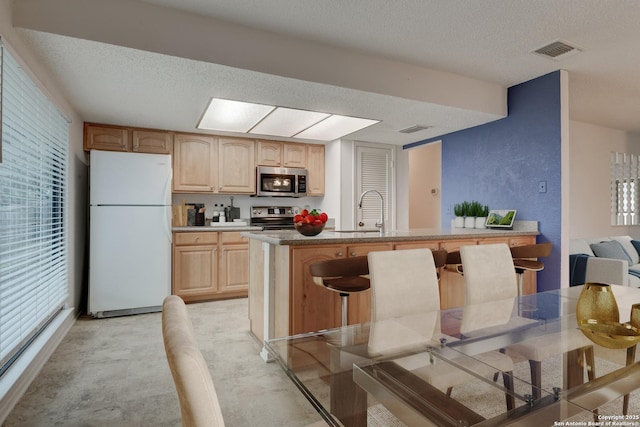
(501,164)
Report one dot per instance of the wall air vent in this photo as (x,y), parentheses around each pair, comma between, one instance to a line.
(557,50)
(413,129)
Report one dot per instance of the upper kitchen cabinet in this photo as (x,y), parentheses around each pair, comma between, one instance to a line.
(294,155)
(269,153)
(149,141)
(236,166)
(281,154)
(104,137)
(119,138)
(315,167)
(195,158)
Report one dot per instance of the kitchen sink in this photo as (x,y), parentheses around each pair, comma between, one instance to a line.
(358,231)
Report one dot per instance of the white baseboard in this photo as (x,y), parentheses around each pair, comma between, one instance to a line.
(16,380)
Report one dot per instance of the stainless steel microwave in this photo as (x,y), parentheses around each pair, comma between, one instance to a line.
(281,182)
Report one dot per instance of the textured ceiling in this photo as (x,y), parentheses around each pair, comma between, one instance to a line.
(489,41)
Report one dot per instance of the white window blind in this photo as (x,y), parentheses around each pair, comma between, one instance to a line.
(625,171)
(374,173)
(33,242)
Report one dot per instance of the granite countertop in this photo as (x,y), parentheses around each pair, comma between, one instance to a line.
(230,227)
(293,238)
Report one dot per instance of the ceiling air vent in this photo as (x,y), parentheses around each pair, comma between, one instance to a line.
(413,129)
(557,50)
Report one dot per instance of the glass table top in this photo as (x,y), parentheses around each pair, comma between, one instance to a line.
(406,365)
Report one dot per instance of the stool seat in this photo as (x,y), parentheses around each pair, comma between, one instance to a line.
(527,264)
(347,284)
(342,275)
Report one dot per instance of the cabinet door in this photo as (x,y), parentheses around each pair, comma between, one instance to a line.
(452,283)
(234,263)
(313,307)
(194,162)
(108,138)
(315,167)
(294,155)
(195,272)
(236,166)
(269,153)
(156,142)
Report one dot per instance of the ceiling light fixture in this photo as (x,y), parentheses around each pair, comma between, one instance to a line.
(245,117)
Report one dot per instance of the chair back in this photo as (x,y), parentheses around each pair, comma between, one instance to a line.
(403,282)
(199,405)
(489,273)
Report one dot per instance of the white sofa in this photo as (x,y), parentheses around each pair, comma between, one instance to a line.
(609,270)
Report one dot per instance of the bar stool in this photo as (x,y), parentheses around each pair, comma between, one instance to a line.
(342,275)
(525,259)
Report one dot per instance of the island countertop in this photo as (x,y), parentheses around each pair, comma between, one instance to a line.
(293,238)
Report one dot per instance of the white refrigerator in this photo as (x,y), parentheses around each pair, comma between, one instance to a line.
(130,232)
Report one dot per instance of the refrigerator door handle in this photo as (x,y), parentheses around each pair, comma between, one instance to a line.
(167,188)
(167,224)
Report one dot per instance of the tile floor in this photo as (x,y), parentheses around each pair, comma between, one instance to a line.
(114,372)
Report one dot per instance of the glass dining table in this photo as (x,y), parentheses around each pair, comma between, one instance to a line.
(398,368)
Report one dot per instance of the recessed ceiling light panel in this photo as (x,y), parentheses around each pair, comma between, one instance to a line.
(233,116)
(336,127)
(287,122)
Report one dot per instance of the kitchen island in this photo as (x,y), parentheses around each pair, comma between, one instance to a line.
(284,300)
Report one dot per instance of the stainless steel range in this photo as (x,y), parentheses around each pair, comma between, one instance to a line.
(274,217)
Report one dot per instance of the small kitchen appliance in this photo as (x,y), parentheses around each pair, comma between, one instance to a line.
(281,182)
(274,217)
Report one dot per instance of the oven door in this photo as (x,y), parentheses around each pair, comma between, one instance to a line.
(276,182)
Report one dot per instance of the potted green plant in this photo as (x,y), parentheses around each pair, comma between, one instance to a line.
(458,212)
(470,214)
(481,216)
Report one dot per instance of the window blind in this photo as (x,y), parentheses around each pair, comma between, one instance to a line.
(33,240)
(374,174)
(625,194)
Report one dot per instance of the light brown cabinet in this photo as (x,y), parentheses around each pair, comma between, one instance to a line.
(208,164)
(194,163)
(269,153)
(210,265)
(195,266)
(234,263)
(147,141)
(118,138)
(236,166)
(103,137)
(281,154)
(294,155)
(314,307)
(315,167)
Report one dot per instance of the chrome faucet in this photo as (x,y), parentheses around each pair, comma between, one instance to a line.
(379,225)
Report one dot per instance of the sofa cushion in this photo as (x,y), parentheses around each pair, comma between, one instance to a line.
(629,248)
(580,246)
(610,249)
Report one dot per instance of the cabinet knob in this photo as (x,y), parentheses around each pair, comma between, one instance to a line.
(353,254)
(339,254)
(197,239)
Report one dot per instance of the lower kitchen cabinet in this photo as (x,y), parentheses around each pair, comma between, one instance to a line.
(209,265)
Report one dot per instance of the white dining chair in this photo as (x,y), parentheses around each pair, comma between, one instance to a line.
(489,275)
(405,299)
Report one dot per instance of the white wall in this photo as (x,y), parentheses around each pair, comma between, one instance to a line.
(77,178)
(589,191)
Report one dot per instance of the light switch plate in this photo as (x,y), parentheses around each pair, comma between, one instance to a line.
(542,187)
